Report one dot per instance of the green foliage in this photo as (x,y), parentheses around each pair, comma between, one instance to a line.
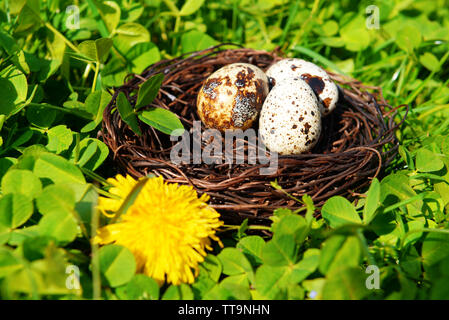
(127,113)
(339,212)
(148,90)
(140,287)
(117,265)
(163,120)
(56,81)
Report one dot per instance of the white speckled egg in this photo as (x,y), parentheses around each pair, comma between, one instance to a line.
(318,79)
(290,120)
(231,97)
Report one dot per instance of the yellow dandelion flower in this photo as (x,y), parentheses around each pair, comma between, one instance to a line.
(168,229)
(121,187)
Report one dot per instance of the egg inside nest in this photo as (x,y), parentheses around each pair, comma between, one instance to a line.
(290,120)
(317,78)
(232,97)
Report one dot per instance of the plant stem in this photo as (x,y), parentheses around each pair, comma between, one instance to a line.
(301,31)
(365,247)
(97,70)
(50,106)
(95,177)
(96,280)
(106,194)
(253,227)
(67,41)
(59,34)
(85,74)
(432,111)
(446,231)
(177,23)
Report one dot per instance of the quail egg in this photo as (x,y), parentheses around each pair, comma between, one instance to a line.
(231,97)
(290,119)
(318,79)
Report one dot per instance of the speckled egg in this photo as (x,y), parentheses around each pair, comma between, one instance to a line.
(290,119)
(318,79)
(231,98)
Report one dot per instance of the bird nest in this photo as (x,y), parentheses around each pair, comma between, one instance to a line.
(357,141)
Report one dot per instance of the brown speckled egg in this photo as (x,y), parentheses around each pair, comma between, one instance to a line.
(290,120)
(231,98)
(318,79)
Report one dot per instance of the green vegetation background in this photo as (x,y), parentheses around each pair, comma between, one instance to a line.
(53,89)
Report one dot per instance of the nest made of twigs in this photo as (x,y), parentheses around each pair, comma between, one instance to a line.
(356,143)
